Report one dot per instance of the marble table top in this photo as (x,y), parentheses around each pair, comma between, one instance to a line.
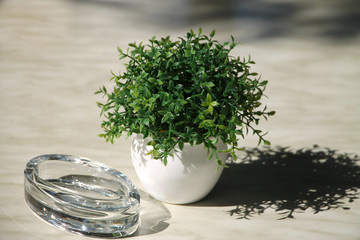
(55,54)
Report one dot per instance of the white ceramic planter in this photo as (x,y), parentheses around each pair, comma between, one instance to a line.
(188,176)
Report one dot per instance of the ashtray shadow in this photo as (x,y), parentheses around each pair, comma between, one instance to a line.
(289,181)
(153,216)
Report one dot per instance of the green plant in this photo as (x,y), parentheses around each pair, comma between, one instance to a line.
(185,91)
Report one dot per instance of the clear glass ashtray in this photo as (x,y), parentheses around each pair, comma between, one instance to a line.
(82,196)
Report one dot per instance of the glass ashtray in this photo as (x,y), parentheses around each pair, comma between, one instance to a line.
(82,196)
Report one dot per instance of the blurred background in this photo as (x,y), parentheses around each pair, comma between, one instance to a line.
(55,54)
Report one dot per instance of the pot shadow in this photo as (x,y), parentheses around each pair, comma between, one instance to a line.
(153,216)
(288,181)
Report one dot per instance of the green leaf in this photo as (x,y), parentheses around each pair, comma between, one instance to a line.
(168,54)
(187,53)
(272,113)
(208,84)
(212,34)
(210,110)
(150,152)
(263,83)
(147,93)
(214,103)
(181,145)
(152,80)
(166,117)
(206,123)
(226,150)
(208,98)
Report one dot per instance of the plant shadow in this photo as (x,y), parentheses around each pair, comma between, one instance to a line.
(288,181)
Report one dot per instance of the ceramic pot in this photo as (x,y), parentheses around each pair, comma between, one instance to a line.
(188,176)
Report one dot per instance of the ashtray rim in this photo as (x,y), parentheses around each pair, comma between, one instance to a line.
(32,181)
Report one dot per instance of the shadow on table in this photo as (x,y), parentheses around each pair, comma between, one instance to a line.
(153,216)
(287,181)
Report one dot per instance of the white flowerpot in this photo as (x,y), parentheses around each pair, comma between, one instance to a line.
(188,176)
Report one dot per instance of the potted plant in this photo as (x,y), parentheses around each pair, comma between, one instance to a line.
(186,103)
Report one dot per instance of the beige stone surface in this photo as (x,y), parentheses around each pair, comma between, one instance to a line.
(55,54)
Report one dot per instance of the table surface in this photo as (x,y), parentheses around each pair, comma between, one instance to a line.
(55,54)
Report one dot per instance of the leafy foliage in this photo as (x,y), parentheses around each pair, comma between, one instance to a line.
(185,91)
